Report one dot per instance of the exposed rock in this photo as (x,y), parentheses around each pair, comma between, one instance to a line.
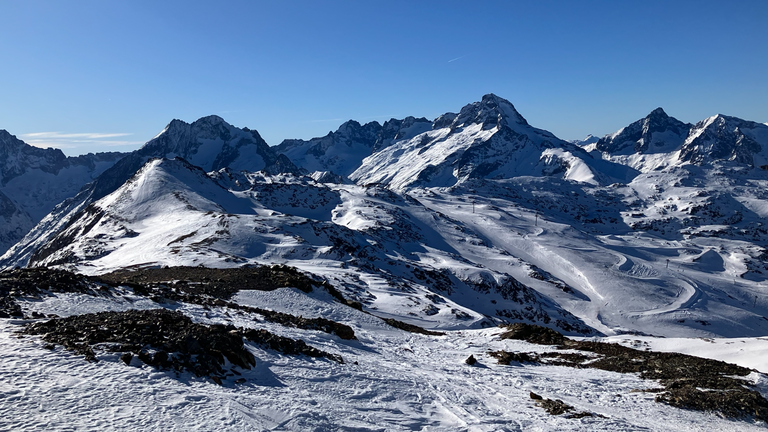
(533,334)
(689,382)
(411,328)
(166,340)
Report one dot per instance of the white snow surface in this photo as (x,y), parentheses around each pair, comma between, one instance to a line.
(391,380)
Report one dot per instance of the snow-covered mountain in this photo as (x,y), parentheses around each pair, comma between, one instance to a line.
(209,142)
(34,180)
(212,144)
(173,212)
(658,141)
(480,218)
(589,139)
(343,151)
(486,139)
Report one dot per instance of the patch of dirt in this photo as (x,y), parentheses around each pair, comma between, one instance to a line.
(165,339)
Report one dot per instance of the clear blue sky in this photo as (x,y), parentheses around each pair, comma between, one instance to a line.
(109,75)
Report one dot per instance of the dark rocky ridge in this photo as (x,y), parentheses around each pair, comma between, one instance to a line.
(166,339)
(16,157)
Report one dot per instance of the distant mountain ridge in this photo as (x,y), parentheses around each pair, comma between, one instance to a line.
(486,139)
(659,140)
(33,180)
(342,151)
(209,142)
(469,220)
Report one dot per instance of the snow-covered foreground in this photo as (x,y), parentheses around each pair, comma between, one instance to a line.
(391,380)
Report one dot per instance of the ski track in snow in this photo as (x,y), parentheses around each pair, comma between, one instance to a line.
(391,381)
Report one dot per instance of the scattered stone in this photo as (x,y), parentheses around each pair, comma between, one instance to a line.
(553,407)
(583,414)
(35,282)
(471,360)
(732,403)
(218,283)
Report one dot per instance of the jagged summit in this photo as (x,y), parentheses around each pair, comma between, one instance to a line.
(655,133)
(16,157)
(211,143)
(342,151)
(491,111)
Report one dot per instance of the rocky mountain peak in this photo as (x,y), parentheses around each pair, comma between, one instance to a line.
(723,137)
(656,132)
(491,111)
(16,157)
(658,113)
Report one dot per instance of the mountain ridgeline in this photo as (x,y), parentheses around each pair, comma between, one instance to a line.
(471,220)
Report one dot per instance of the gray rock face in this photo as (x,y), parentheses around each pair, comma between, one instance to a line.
(34,180)
(657,131)
(341,152)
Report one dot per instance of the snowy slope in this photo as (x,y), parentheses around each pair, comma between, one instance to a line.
(519,249)
(391,380)
(171,213)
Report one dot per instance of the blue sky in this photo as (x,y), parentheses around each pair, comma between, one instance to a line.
(108,75)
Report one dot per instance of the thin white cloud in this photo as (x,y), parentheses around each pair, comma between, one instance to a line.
(457,58)
(62,140)
(86,136)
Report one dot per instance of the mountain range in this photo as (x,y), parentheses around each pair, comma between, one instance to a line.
(469,220)
(471,272)
(34,180)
